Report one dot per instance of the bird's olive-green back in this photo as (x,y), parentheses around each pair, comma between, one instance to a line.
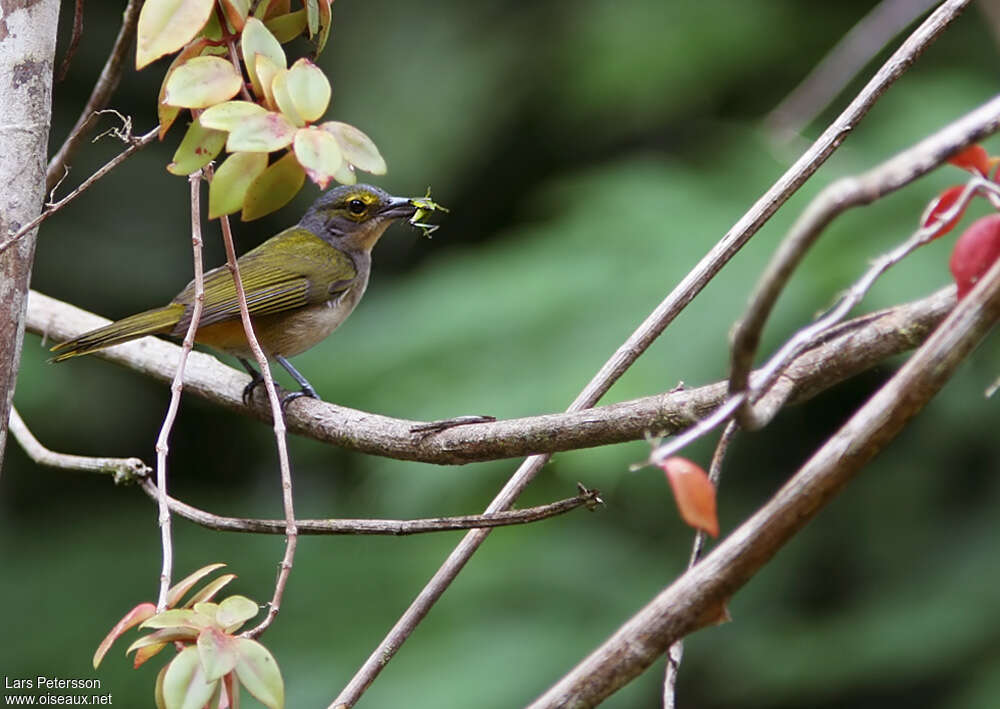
(294,269)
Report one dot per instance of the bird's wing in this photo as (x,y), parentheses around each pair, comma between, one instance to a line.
(289,271)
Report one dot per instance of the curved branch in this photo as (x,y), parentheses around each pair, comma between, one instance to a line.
(848,350)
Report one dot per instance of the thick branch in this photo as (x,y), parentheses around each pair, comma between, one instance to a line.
(850,349)
(697,597)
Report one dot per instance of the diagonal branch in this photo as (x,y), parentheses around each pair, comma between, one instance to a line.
(846,351)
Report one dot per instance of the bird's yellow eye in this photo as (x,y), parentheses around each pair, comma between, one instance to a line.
(357,207)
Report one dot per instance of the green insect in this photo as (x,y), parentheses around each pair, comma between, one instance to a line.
(426,207)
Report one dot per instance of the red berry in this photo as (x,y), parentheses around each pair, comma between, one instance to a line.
(975,251)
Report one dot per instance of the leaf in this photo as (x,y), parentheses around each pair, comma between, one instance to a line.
(236,13)
(694,494)
(285,28)
(261,134)
(345,175)
(257,39)
(936,209)
(145,654)
(199,147)
(271,8)
(259,673)
(312,17)
(163,636)
(217,652)
(201,82)
(167,25)
(168,114)
(975,252)
(325,22)
(177,591)
(134,617)
(309,90)
(185,685)
(283,99)
(274,188)
(229,186)
(356,147)
(229,114)
(235,611)
(973,158)
(318,153)
(161,703)
(210,589)
(266,71)
(178,618)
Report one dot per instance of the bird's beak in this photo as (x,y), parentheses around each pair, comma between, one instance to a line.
(399,207)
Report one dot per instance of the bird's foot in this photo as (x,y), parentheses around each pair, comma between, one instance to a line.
(291,396)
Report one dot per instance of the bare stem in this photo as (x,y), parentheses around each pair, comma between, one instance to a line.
(291,532)
(176,386)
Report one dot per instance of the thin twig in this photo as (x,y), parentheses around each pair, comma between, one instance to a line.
(73,42)
(137,144)
(103,88)
(176,386)
(836,70)
(123,469)
(291,533)
(694,598)
(391,527)
(655,323)
(848,350)
(675,653)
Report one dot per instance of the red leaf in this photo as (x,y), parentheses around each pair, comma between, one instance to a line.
(945,201)
(974,159)
(137,615)
(694,493)
(975,251)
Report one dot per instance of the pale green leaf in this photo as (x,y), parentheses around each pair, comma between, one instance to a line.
(312,16)
(283,99)
(229,186)
(207,609)
(185,685)
(309,90)
(318,153)
(217,652)
(257,39)
(168,114)
(358,148)
(274,188)
(259,673)
(261,134)
(201,82)
(167,25)
(325,21)
(229,114)
(268,9)
(345,175)
(199,147)
(178,590)
(162,636)
(210,589)
(144,654)
(285,28)
(178,618)
(161,703)
(266,71)
(236,610)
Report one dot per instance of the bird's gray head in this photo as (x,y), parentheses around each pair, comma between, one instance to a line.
(355,215)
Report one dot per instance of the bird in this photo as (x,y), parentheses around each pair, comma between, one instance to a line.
(300,285)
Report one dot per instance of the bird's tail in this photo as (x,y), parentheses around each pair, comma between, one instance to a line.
(151,322)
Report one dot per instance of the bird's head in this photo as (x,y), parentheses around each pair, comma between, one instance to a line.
(355,216)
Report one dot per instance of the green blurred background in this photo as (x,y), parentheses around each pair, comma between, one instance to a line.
(591,153)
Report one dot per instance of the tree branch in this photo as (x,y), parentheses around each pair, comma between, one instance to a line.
(848,350)
(694,599)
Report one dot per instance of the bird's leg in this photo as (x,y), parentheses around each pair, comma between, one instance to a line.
(255,379)
(307,389)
